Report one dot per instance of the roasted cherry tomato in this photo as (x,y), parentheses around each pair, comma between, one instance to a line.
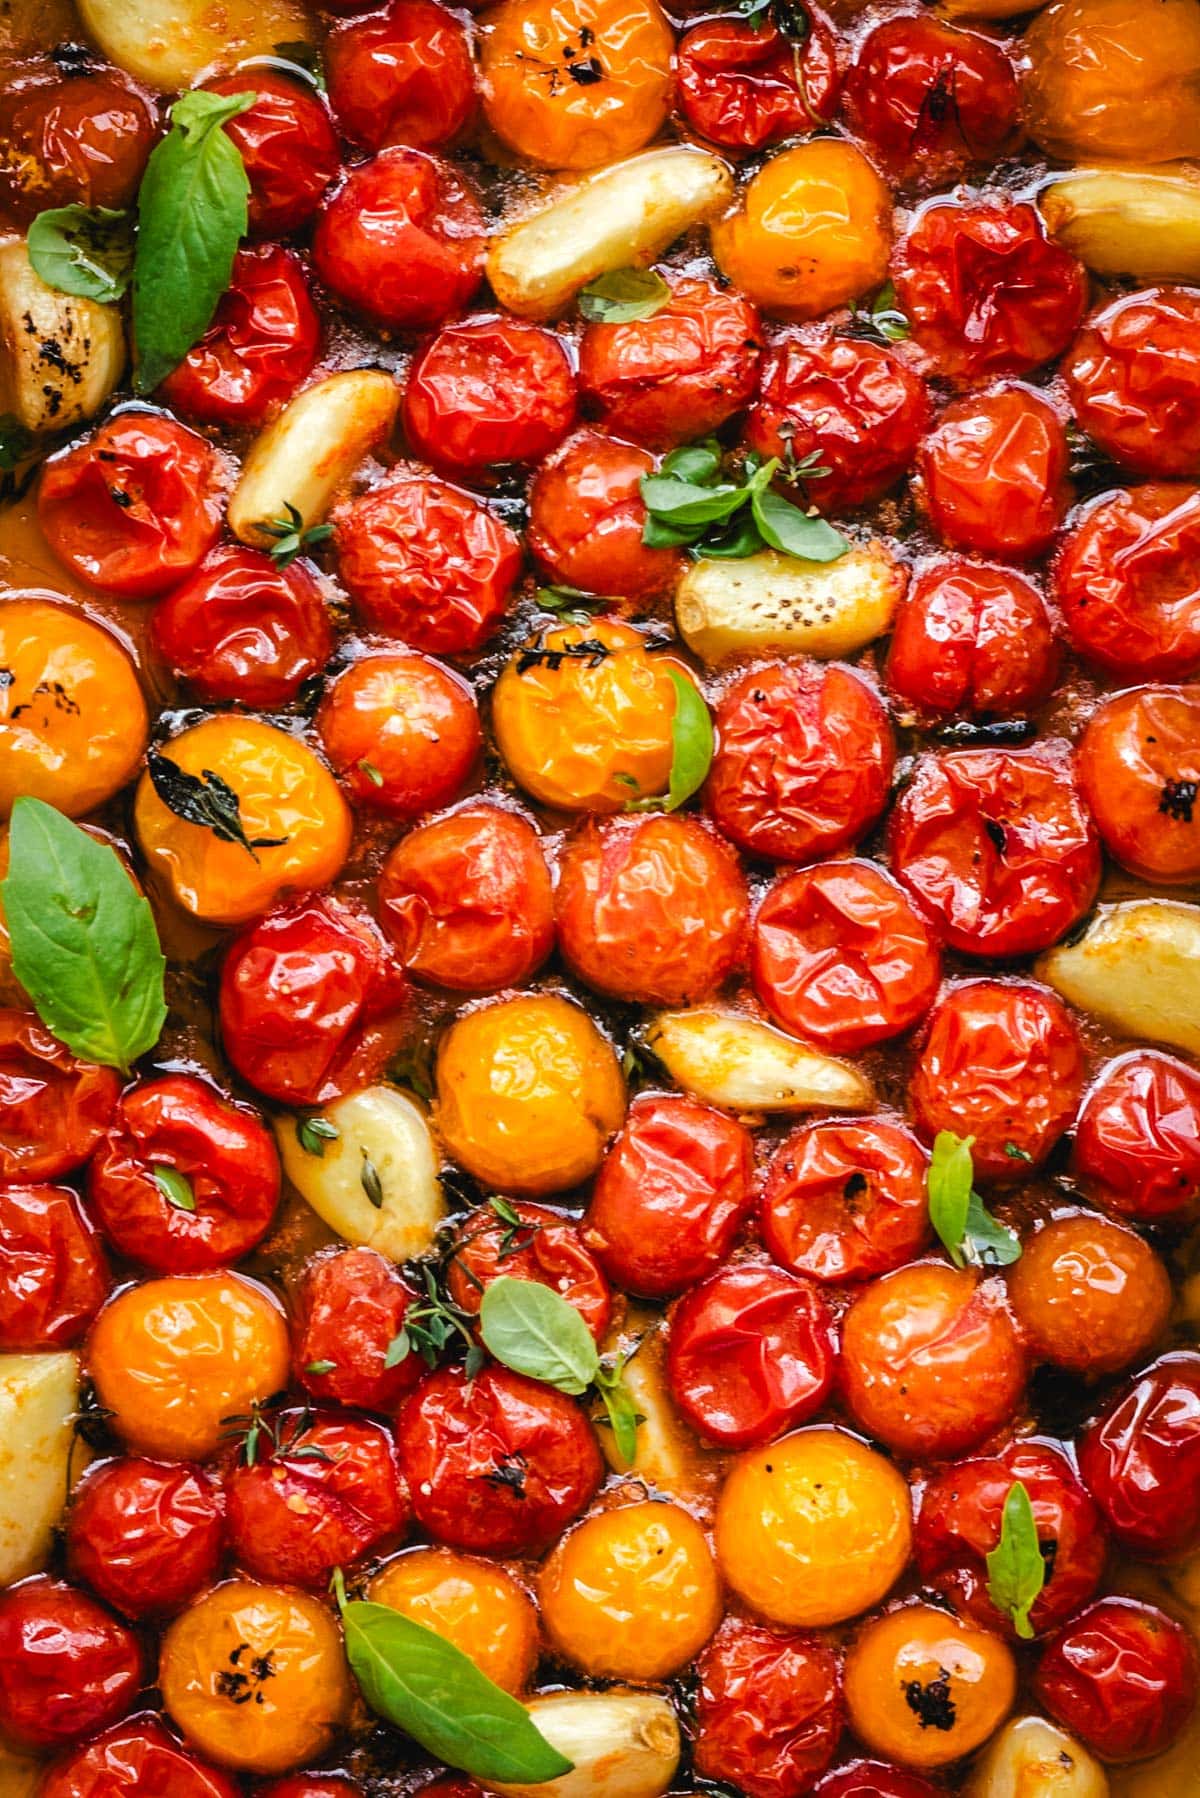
(1089,1295)
(803,763)
(1139,768)
(927,1688)
(986,291)
(288,146)
(498,1463)
(401,241)
(472,1603)
(871,1779)
(1123,1677)
(1128,581)
(1096,86)
(999,846)
(82,141)
(53,1275)
(67,1667)
(348,1310)
(402,731)
(1136,1144)
(1140,1460)
(146,1536)
(54,1109)
(488,392)
(1003,1063)
(745,86)
(752,1352)
(427,563)
(138,1758)
(403,76)
(135,507)
(846,1201)
(1133,377)
(768,1711)
(260,346)
(540,1246)
(245,630)
(995,473)
(586,519)
(972,638)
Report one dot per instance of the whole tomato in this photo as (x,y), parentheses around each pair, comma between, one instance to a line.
(872,1779)
(1133,379)
(348,1310)
(586,519)
(1139,769)
(769,1710)
(1090,1295)
(540,1246)
(243,629)
(995,473)
(1123,1677)
(53,1108)
(490,391)
(1128,581)
(83,140)
(403,76)
(1140,1460)
(67,1666)
(261,344)
(53,1274)
(752,1352)
(1136,1143)
(402,731)
(288,146)
(137,1757)
(146,1536)
(745,86)
(135,507)
(671,1195)
(846,1201)
(972,638)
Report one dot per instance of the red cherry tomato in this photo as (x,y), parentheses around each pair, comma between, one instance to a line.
(768,1710)
(310,998)
(986,290)
(402,241)
(467,900)
(491,391)
(1136,1146)
(53,1274)
(260,346)
(225,1156)
(678,374)
(288,146)
(544,1247)
(244,630)
(67,1667)
(427,564)
(83,140)
(1123,1677)
(972,638)
(1128,581)
(751,1353)
(999,846)
(53,1108)
(135,507)
(929,101)
(803,763)
(853,407)
(586,519)
(348,1309)
(1140,1460)
(403,76)
(1133,378)
(499,1463)
(402,731)
(871,1779)
(745,86)
(846,1201)
(146,1537)
(137,1758)
(841,956)
(995,473)
(1002,1063)
(671,1195)
(1139,770)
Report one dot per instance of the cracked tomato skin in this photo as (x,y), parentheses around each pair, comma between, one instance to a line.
(67,1666)
(1090,1295)
(138,1757)
(402,731)
(926,1688)
(999,847)
(1123,1677)
(403,76)
(586,518)
(347,1310)
(972,638)
(1139,770)
(242,629)
(1140,1460)
(80,141)
(53,1273)
(146,1536)
(288,146)
(1133,378)
(769,1709)
(994,472)
(488,392)
(872,1779)
(745,86)
(1136,1144)
(1128,581)
(499,1464)
(54,1109)
(545,1247)
(846,1201)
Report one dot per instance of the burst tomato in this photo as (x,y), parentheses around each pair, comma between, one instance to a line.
(491,391)
(287,144)
(745,85)
(1128,581)
(1136,1145)
(82,141)
(1090,1295)
(53,1108)
(1140,1460)
(402,731)
(543,1247)
(1123,1677)
(244,630)
(1133,377)
(846,1201)
(261,344)
(137,1758)
(403,76)
(972,638)
(995,473)
(586,519)
(348,1310)
(67,1667)
(1139,769)
(145,1535)
(53,1274)
(768,1711)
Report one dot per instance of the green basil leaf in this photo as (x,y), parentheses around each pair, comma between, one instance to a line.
(887,318)
(529,1328)
(678,502)
(175,1187)
(740,537)
(698,462)
(657,535)
(988,1243)
(84,250)
(622,1414)
(692,747)
(785,527)
(1016,1567)
(622,295)
(84,945)
(191,218)
(951,1172)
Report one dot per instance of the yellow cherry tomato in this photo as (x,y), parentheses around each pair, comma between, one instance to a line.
(631,1593)
(256,1677)
(528,1094)
(1098,83)
(587,732)
(569,84)
(813,231)
(172,1358)
(73,721)
(813,1529)
(289,808)
(923,1687)
(472,1603)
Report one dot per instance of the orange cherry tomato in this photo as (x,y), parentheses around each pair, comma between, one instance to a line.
(1089,1294)
(745,86)
(973,638)
(1139,769)
(402,76)
(402,731)
(1136,1145)
(1128,581)
(846,1201)
(586,519)
(543,1246)
(926,1687)
(488,392)
(472,1603)
(1096,84)
(1133,378)
(768,1710)
(995,473)
(83,140)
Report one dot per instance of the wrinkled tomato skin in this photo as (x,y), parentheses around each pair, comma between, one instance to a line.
(427,564)
(671,1195)
(288,147)
(994,473)
(972,638)
(53,1274)
(499,1464)
(1140,1460)
(225,1153)
(67,1667)
(1090,1295)
(308,999)
(403,76)
(745,86)
(171,485)
(402,241)
(586,518)
(846,1201)
(986,291)
(80,141)
(959,1524)
(244,630)
(1128,581)
(53,1108)
(1122,1677)
(1139,769)
(491,391)
(547,1248)
(999,847)
(1133,378)
(140,1758)
(803,763)
(403,733)
(752,1352)
(854,405)
(842,957)
(677,375)
(348,1309)
(147,1537)
(872,1779)
(768,1711)
(1136,1143)
(1001,1062)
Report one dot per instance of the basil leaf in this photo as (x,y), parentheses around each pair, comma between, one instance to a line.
(15,442)
(988,1243)
(740,537)
(785,527)
(84,945)
(887,318)
(84,250)
(679,502)
(698,462)
(191,218)
(175,1187)
(1016,1567)
(622,295)
(969,1232)
(692,741)
(529,1328)
(657,535)
(622,1414)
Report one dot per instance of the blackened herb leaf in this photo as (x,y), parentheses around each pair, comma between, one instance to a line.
(692,746)
(175,1187)
(622,295)
(968,1231)
(15,442)
(372,1185)
(790,17)
(205,800)
(313,1133)
(1016,1567)
(84,250)
(530,1328)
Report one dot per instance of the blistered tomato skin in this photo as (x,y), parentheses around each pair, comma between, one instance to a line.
(1128,580)
(543,1247)
(846,1201)
(54,1109)
(242,629)
(744,85)
(927,1688)
(1089,1295)
(973,638)
(489,392)
(586,518)
(1133,378)
(1123,1677)
(1136,1144)
(995,473)
(769,1709)
(1095,85)
(403,76)
(81,141)
(146,1536)
(1139,768)
(53,1274)
(347,1310)
(402,731)
(67,1666)
(1140,1460)
(139,1758)
(288,146)
(472,1603)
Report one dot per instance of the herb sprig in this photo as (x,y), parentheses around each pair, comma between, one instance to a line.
(691,503)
